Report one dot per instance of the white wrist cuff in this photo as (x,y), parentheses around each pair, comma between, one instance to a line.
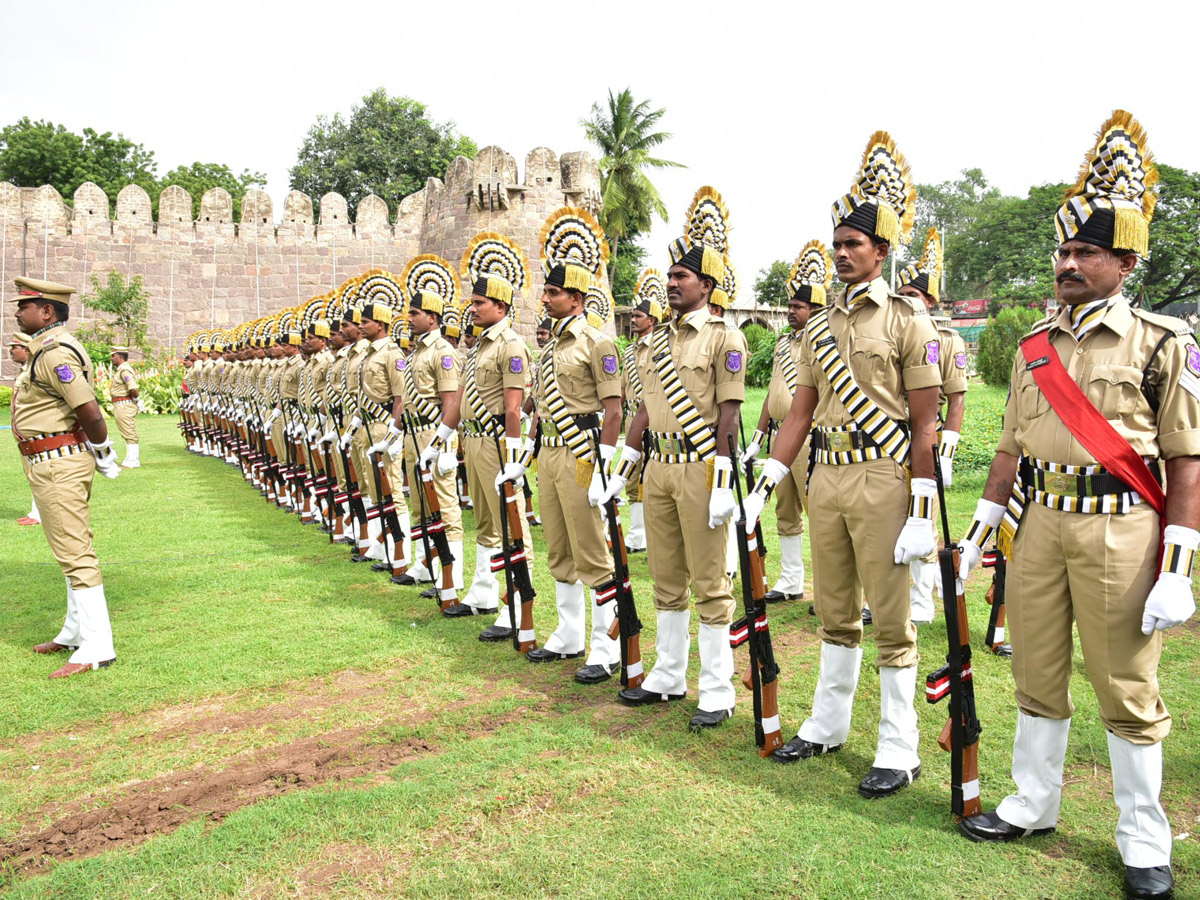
(989,513)
(924,487)
(773,471)
(1188,538)
(950,438)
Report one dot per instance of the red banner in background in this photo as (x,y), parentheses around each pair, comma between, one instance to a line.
(964,309)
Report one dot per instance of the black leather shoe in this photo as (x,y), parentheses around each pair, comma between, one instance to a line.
(1004,650)
(812,610)
(342,540)
(380,566)
(705,719)
(882,782)
(541,654)
(1155,883)
(641,697)
(780,596)
(989,827)
(430,594)
(358,557)
(595,674)
(629,549)
(799,748)
(493,634)
(458,610)
(866,616)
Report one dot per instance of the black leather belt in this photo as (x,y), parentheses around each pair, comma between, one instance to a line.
(584,422)
(841,441)
(1079,485)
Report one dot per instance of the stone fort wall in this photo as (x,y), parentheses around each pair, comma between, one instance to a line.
(214,272)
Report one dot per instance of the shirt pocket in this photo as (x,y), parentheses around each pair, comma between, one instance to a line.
(487,375)
(1031,402)
(871,360)
(693,372)
(1115,390)
(570,378)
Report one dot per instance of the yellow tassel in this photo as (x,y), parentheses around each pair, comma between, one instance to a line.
(712,264)
(887,224)
(499,289)
(1004,539)
(817,298)
(576,278)
(1130,231)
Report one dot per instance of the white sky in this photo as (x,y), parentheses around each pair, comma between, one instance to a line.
(770,103)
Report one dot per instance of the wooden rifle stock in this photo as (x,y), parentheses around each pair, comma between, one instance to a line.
(626,627)
(995,598)
(434,529)
(515,564)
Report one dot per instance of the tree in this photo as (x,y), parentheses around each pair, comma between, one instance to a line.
(998,343)
(37,153)
(625,268)
(127,307)
(1171,273)
(200,177)
(388,146)
(770,288)
(624,133)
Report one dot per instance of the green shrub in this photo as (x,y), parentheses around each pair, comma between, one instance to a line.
(5,397)
(758,370)
(998,343)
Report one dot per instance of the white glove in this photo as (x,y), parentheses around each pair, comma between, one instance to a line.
(514,469)
(772,473)
(348,434)
(275,414)
(619,478)
(446,463)
(917,538)
(435,447)
(141,405)
(1170,602)
(970,552)
(753,506)
(329,437)
(377,448)
(752,449)
(946,450)
(106,458)
(313,434)
(596,488)
(721,503)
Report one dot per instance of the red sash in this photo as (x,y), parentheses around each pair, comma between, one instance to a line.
(1086,424)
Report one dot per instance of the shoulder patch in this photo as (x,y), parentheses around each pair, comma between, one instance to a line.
(448,362)
(1193,359)
(933,352)
(960,359)
(401,364)
(733,361)
(516,365)
(64,373)
(610,364)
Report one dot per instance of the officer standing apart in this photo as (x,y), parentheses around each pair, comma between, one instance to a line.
(60,430)
(1087,546)
(868,389)
(125,398)
(808,286)
(694,382)
(922,281)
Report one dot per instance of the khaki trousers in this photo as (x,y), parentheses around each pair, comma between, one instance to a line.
(443,485)
(1097,571)
(683,552)
(125,413)
(789,496)
(483,465)
(358,455)
(576,548)
(62,488)
(376,432)
(633,488)
(855,514)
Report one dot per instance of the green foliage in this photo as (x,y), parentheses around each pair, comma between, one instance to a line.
(200,177)
(1171,273)
(770,288)
(387,146)
(624,132)
(5,396)
(982,422)
(626,268)
(761,344)
(126,304)
(998,343)
(37,153)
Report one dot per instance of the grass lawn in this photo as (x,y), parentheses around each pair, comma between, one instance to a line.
(280,722)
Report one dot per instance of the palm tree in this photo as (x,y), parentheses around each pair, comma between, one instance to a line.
(624,132)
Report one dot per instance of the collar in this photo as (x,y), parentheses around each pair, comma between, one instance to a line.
(876,290)
(39,336)
(380,343)
(645,338)
(567,324)
(695,320)
(1118,319)
(493,332)
(361,344)
(429,337)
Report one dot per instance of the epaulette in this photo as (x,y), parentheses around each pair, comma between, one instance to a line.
(1040,326)
(917,306)
(511,337)
(1170,323)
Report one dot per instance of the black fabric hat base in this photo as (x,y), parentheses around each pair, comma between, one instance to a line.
(1098,229)
(864,218)
(804,293)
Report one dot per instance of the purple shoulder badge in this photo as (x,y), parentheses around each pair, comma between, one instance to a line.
(447,362)
(516,365)
(64,373)
(960,359)
(933,352)
(1193,359)
(610,364)
(733,360)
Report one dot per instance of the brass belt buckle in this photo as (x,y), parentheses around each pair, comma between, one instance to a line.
(550,429)
(1060,483)
(672,446)
(839,442)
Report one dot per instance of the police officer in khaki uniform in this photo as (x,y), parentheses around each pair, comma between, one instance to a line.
(353,439)
(881,352)
(1087,545)
(649,309)
(124,392)
(694,383)
(431,382)
(922,281)
(315,393)
(808,284)
(488,406)
(335,394)
(578,381)
(61,433)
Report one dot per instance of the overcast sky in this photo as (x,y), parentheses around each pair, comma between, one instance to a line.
(770,103)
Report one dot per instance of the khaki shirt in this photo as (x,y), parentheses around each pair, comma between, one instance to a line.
(1108,365)
(891,346)
(501,361)
(59,380)
(354,363)
(124,381)
(318,375)
(585,369)
(633,392)
(711,361)
(335,387)
(383,372)
(779,398)
(289,379)
(435,368)
(953,361)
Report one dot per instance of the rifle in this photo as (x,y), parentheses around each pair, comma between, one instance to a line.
(762,676)
(514,560)
(994,559)
(762,547)
(433,529)
(354,501)
(626,627)
(389,522)
(960,737)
